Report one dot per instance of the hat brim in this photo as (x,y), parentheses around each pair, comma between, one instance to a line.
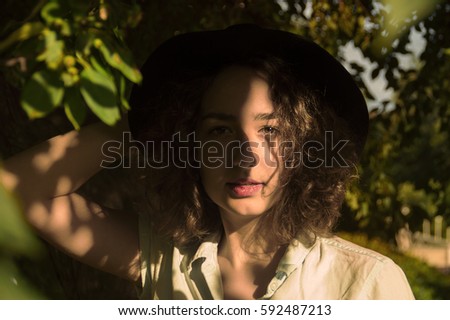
(209,50)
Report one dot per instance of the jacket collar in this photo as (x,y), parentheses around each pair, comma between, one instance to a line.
(204,271)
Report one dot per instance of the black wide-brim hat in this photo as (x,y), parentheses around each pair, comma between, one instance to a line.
(209,50)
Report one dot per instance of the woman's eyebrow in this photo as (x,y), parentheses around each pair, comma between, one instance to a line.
(265,116)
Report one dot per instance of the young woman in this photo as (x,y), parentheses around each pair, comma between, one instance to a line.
(255,134)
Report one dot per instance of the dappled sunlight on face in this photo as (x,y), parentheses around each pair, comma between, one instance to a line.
(237,109)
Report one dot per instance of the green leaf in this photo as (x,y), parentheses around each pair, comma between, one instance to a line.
(98,65)
(25,32)
(119,58)
(69,79)
(42,93)
(99,92)
(124,93)
(53,54)
(54,13)
(124,88)
(74,107)
(13,284)
(51,12)
(83,43)
(15,235)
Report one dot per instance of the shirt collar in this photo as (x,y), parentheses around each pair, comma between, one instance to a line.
(205,261)
(296,253)
(204,269)
(208,248)
(294,256)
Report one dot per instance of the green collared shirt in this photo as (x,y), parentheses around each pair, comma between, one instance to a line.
(328,268)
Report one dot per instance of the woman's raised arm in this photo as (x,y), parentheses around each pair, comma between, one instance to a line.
(45,178)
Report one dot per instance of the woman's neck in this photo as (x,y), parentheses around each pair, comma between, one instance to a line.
(246,266)
(240,243)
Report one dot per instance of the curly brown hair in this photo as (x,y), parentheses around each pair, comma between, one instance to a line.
(311,195)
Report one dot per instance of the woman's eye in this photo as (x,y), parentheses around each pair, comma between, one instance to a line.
(269,130)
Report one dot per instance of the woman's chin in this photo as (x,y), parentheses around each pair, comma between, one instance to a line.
(251,210)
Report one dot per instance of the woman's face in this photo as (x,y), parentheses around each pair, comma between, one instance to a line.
(239,136)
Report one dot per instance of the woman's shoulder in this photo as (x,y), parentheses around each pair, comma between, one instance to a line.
(375,275)
(334,268)
(341,253)
(346,249)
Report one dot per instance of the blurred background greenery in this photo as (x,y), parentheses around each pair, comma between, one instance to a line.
(54,53)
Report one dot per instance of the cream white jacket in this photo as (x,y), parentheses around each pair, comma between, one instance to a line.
(329,268)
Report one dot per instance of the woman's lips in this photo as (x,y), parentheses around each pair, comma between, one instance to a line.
(244,187)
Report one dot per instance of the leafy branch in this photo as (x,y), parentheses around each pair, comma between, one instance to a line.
(73,56)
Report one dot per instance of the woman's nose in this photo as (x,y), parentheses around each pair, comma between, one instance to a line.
(248,154)
(245,152)
(253,152)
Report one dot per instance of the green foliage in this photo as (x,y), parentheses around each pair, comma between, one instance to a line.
(15,235)
(398,18)
(404,172)
(13,285)
(74,107)
(75,46)
(66,54)
(99,92)
(427,283)
(42,93)
(15,239)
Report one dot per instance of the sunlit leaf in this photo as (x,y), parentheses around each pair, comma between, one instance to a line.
(119,58)
(124,90)
(98,65)
(53,54)
(42,93)
(53,11)
(124,93)
(99,92)
(74,107)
